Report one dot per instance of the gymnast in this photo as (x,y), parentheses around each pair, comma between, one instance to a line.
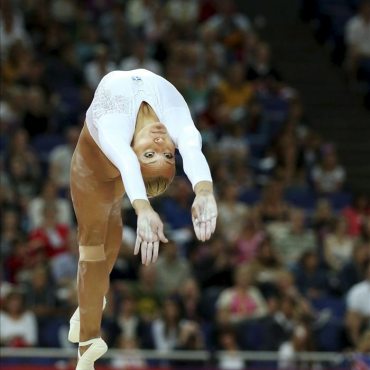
(127,145)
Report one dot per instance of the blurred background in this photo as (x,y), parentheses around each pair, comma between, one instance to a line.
(280,91)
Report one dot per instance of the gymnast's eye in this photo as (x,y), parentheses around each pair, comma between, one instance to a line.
(168,155)
(149,154)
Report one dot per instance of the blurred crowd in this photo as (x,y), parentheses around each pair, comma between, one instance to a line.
(344,26)
(289,266)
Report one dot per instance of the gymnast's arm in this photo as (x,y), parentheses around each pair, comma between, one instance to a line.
(189,143)
(115,144)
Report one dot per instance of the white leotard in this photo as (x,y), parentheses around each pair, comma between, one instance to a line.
(111,120)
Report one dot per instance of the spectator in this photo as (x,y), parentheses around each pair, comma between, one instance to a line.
(51,238)
(243,300)
(272,207)
(231,212)
(323,218)
(356,214)
(132,359)
(40,295)
(128,320)
(355,269)
(60,159)
(328,176)
(213,266)
(266,265)
(190,300)
(311,280)
(98,67)
(358,308)
(140,59)
(18,325)
(357,35)
(166,330)
(146,293)
(297,240)
(49,198)
(249,240)
(229,360)
(172,271)
(280,324)
(301,341)
(338,245)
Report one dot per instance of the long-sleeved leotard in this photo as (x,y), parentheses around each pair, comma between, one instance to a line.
(111,120)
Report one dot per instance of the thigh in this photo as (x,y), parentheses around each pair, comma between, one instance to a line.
(92,200)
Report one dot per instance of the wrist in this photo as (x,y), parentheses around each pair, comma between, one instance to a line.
(140,205)
(203,187)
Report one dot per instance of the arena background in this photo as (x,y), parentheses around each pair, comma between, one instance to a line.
(280,91)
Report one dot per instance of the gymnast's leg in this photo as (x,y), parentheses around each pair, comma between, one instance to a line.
(92,200)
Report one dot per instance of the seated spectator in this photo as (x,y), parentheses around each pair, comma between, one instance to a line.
(365,231)
(229,360)
(17,262)
(248,241)
(231,212)
(49,197)
(18,325)
(127,318)
(300,341)
(266,265)
(358,308)
(172,271)
(311,280)
(356,213)
(190,299)
(357,35)
(328,176)
(280,324)
(166,329)
(131,359)
(233,144)
(338,245)
(40,295)
(51,238)
(190,338)
(10,231)
(60,159)
(354,270)
(213,266)
(146,293)
(323,218)
(243,300)
(296,240)
(140,59)
(96,69)
(272,207)
(235,92)
(260,66)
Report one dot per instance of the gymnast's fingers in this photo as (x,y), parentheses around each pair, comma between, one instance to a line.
(137,245)
(144,247)
(160,234)
(155,251)
(196,227)
(208,229)
(213,223)
(202,231)
(149,253)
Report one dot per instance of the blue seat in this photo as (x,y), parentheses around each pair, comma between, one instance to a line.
(250,196)
(251,334)
(302,198)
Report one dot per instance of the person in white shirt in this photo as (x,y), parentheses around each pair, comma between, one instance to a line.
(133,125)
(18,326)
(357,36)
(358,308)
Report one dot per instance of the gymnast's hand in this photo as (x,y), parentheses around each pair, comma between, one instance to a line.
(204,211)
(149,232)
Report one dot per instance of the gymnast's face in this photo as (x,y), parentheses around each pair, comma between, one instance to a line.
(154,147)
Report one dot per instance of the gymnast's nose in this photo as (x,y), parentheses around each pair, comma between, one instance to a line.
(158,140)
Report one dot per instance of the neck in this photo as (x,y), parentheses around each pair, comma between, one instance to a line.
(145,116)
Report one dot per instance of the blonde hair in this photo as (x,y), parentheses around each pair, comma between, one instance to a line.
(156,186)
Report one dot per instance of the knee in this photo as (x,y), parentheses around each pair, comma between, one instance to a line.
(92,253)
(93,234)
